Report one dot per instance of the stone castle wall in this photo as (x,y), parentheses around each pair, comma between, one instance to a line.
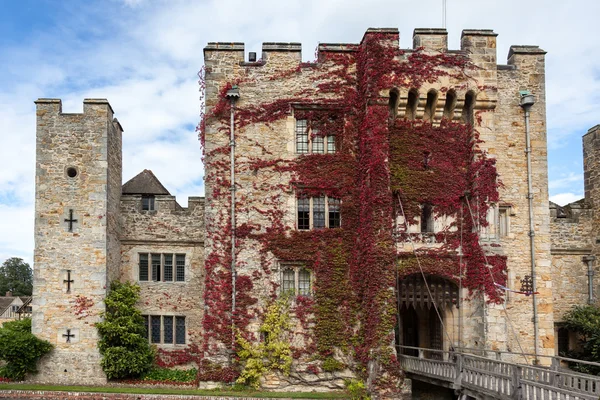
(499,120)
(81,145)
(169,229)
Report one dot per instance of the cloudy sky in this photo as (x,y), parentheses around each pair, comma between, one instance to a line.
(143,56)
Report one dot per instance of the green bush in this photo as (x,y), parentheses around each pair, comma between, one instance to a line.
(585,320)
(356,389)
(126,352)
(20,349)
(171,375)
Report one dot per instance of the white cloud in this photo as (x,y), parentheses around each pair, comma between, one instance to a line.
(145,61)
(565,198)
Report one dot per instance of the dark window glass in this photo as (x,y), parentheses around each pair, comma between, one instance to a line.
(168,268)
(303,213)
(301,136)
(180,260)
(155,321)
(168,329)
(156,267)
(334,212)
(426,218)
(180,330)
(563,341)
(143,267)
(319,212)
(147,203)
(145,317)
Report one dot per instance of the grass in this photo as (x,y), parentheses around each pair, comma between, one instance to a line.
(196,392)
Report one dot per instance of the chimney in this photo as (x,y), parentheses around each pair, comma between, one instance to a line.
(8,293)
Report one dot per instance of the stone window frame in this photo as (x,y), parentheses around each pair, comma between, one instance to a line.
(148,202)
(178,267)
(498,218)
(176,338)
(301,286)
(329,215)
(327,143)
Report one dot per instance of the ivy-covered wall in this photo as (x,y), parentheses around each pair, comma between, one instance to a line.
(390,159)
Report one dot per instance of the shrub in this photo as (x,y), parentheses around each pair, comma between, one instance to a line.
(126,352)
(330,364)
(20,349)
(171,375)
(585,320)
(356,389)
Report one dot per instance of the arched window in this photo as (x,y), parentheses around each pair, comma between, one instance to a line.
(432,97)
(411,104)
(450,104)
(393,103)
(467,112)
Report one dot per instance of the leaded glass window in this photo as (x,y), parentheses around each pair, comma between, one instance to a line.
(168,329)
(318,212)
(179,330)
(143,267)
(288,281)
(155,322)
(168,272)
(333,212)
(303,282)
(301,136)
(331,144)
(303,213)
(180,259)
(318,143)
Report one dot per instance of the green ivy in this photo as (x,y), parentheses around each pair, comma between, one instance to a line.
(330,364)
(20,349)
(356,389)
(126,352)
(274,353)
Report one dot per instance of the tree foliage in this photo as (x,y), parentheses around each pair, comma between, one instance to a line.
(585,320)
(20,349)
(16,276)
(126,352)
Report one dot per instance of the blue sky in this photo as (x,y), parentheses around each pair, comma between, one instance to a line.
(143,56)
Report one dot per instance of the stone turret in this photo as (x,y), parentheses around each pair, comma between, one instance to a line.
(77,251)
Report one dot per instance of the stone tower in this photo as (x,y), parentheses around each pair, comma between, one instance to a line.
(77,252)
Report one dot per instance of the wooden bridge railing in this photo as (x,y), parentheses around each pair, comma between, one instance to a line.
(495,378)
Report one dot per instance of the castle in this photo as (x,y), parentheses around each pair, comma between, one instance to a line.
(384,190)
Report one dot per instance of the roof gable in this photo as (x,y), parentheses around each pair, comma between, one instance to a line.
(144,183)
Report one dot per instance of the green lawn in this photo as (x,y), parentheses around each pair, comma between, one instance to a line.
(197,392)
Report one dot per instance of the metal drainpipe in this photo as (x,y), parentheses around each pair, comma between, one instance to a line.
(589,260)
(233,95)
(527,100)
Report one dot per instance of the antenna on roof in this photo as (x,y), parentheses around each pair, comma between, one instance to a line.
(444,13)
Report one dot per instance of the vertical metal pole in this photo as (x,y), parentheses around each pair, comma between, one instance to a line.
(233,272)
(531,234)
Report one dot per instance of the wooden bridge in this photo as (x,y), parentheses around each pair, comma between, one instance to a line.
(481,377)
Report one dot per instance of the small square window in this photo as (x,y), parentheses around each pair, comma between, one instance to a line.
(148,203)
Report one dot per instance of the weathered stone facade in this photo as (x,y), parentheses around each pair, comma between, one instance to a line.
(574,229)
(79,178)
(115,230)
